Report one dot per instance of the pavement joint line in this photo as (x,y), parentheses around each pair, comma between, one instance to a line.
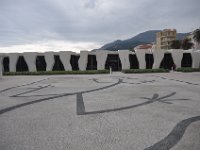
(30,91)
(23,85)
(186,82)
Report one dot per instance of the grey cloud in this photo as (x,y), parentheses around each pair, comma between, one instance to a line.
(101,21)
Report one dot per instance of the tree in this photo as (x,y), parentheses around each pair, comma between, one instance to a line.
(186,44)
(176,44)
(196,35)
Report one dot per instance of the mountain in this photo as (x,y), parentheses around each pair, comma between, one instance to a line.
(142,38)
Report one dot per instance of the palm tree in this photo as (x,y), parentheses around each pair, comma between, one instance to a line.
(196,35)
(176,44)
(186,44)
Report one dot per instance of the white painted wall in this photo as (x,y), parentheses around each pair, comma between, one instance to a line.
(82,62)
(13,57)
(141,58)
(124,57)
(177,55)
(49,58)
(158,55)
(195,59)
(30,59)
(1,66)
(101,56)
(65,57)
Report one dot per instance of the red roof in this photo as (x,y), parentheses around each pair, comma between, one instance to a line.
(144,46)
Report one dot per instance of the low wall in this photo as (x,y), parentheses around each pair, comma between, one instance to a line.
(101,57)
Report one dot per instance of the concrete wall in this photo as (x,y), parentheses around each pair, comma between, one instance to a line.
(49,58)
(65,58)
(13,57)
(124,57)
(82,62)
(1,66)
(141,58)
(158,55)
(195,59)
(177,55)
(101,57)
(30,59)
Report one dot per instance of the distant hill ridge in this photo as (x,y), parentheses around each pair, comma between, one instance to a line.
(142,38)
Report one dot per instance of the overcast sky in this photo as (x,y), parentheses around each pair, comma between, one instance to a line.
(74,25)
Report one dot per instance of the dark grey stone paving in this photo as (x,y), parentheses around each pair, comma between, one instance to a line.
(174,136)
(155,98)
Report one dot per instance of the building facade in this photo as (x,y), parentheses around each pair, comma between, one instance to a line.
(98,60)
(164,38)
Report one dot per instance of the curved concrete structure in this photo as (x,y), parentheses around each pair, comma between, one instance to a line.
(195,59)
(82,62)
(124,57)
(101,57)
(177,55)
(49,58)
(30,59)
(65,58)
(141,58)
(158,55)
(13,57)
(1,65)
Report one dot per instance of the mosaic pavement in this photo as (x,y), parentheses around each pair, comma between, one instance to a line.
(100,112)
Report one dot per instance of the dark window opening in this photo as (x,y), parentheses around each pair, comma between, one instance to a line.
(58,65)
(114,62)
(21,65)
(149,61)
(187,60)
(92,62)
(6,62)
(41,63)
(167,62)
(74,62)
(134,64)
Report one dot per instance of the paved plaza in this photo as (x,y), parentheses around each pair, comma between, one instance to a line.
(100,112)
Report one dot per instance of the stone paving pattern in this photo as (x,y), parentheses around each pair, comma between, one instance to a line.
(100,112)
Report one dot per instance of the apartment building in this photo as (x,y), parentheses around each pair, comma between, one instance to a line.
(164,38)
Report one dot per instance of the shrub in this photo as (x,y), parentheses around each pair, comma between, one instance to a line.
(57,72)
(145,70)
(188,69)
